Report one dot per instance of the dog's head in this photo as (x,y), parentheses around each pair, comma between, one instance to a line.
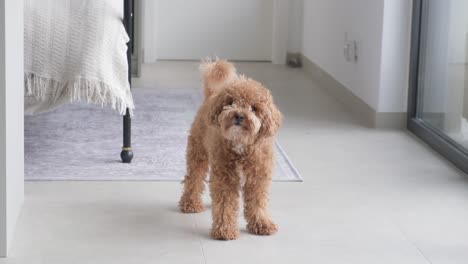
(244,112)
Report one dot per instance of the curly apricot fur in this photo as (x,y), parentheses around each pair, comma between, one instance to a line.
(232,135)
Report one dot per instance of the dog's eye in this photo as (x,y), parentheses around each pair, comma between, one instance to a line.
(253,108)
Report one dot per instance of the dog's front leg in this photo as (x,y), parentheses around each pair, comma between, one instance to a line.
(194,182)
(224,189)
(256,191)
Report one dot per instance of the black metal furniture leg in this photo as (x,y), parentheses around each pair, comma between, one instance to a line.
(127,154)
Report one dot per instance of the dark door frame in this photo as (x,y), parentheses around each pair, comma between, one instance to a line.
(435,138)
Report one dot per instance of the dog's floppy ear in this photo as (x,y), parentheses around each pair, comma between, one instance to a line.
(271,121)
(216,105)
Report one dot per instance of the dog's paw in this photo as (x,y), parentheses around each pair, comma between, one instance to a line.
(262,228)
(225,233)
(191,206)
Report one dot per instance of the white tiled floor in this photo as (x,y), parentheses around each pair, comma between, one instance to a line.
(368,197)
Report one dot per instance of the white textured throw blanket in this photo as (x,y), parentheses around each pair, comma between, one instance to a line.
(75,50)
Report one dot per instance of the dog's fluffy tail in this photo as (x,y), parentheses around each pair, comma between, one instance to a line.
(215,75)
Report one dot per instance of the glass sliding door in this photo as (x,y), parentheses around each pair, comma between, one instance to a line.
(438,101)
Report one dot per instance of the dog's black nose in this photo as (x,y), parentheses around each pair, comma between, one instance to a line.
(239,118)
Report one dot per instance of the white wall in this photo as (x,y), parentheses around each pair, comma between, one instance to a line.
(149,30)
(394,71)
(295,25)
(269,29)
(382,31)
(11,119)
(325,25)
(280,22)
(194,29)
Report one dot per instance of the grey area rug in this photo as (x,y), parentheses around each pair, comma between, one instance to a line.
(81,142)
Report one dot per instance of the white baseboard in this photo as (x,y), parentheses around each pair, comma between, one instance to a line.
(370,117)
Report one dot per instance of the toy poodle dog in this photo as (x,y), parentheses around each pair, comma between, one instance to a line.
(232,135)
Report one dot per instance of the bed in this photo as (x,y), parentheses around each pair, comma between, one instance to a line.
(79,50)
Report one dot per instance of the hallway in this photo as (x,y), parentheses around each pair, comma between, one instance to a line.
(368,196)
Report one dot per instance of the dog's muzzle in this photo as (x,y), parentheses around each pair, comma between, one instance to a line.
(238,119)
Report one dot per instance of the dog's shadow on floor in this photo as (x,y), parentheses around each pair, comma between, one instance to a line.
(176,209)
(205,232)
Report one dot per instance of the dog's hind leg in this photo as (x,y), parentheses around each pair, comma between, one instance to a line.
(194,182)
